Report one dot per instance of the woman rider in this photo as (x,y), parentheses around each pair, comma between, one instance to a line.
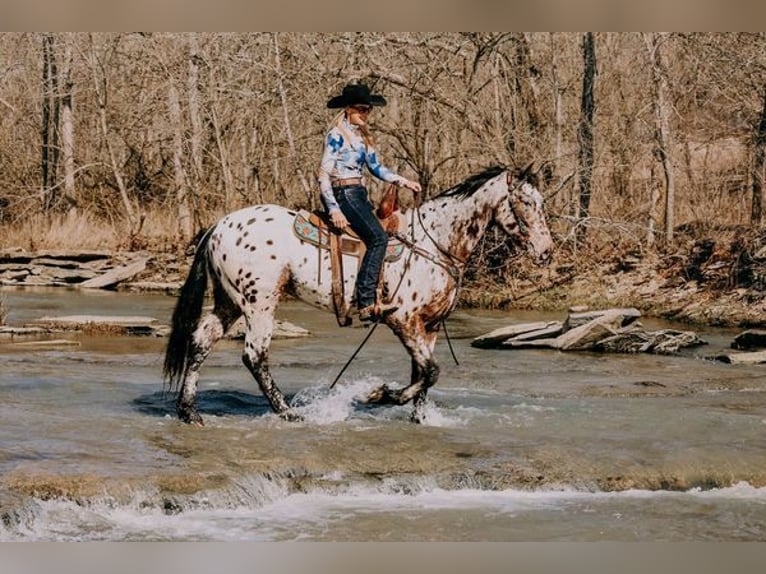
(348,147)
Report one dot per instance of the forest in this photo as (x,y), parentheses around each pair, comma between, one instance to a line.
(139,140)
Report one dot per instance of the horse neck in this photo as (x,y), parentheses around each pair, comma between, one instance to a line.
(455,224)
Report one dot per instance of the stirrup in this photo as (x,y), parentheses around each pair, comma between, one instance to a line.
(376,312)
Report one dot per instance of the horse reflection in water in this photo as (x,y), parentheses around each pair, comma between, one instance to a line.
(252,257)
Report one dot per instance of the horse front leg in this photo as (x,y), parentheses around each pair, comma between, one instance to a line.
(430,376)
(425,373)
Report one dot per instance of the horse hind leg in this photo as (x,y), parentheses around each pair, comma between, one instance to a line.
(256,359)
(210,329)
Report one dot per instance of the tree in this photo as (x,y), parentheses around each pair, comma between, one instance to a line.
(759,167)
(585,130)
(50,123)
(663,137)
(67,126)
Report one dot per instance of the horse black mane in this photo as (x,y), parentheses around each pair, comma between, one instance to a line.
(474,182)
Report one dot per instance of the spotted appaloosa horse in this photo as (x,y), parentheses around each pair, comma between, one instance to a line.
(252,257)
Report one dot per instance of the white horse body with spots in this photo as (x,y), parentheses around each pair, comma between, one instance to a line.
(253,256)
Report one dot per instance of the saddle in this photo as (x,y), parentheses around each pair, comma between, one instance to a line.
(316,228)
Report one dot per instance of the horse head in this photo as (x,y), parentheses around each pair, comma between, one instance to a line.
(522,216)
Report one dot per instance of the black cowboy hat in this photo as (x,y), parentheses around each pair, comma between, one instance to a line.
(354,94)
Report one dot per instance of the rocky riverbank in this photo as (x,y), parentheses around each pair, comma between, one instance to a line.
(706,283)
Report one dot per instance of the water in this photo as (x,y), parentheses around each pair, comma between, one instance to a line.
(523,445)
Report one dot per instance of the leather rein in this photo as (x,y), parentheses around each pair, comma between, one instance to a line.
(448,261)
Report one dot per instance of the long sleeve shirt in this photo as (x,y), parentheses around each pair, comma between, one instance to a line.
(345,155)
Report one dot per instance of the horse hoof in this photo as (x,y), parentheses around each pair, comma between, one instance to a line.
(417,418)
(384,396)
(190,417)
(378,395)
(291,417)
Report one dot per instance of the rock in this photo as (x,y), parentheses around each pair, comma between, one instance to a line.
(585,336)
(545,337)
(576,319)
(12,333)
(494,338)
(43,343)
(282,330)
(634,339)
(613,330)
(750,339)
(153,286)
(754,358)
(125,325)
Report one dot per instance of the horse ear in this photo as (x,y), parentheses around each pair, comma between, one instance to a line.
(527,171)
(521,175)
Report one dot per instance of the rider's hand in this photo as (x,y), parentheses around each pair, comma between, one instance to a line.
(338,219)
(413,185)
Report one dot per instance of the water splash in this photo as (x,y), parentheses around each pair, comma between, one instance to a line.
(323,406)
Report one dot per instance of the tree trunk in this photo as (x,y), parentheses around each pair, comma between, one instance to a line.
(67,129)
(49,132)
(195,121)
(525,86)
(654,43)
(558,111)
(179,176)
(585,132)
(759,165)
(101,88)
(288,126)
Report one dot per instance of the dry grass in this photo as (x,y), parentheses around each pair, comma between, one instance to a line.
(85,231)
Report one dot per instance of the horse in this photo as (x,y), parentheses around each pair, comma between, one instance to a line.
(252,258)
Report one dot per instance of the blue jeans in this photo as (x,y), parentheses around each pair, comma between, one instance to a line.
(354,204)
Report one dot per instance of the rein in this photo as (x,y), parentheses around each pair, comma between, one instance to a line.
(448,265)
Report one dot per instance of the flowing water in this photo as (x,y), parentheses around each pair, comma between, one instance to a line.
(519,445)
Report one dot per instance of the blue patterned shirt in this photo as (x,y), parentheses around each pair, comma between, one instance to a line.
(344,156)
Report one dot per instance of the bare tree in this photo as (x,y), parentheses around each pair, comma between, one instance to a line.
(759,167)
(195,116)
(654,45)
(179,174)
(67,126)
(50,122)
(288,123)
(585,130)
(98,64)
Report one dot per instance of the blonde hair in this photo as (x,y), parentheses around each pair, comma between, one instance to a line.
(365,131)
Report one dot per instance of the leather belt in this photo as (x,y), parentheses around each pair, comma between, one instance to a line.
(346,182)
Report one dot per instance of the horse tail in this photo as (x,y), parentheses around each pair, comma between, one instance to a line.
(186,316)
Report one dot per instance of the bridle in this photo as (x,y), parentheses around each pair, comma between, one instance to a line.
(448,261)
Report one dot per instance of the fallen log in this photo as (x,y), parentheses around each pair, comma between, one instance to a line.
(116,275)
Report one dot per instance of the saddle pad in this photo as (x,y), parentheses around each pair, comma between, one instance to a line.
(308,231)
